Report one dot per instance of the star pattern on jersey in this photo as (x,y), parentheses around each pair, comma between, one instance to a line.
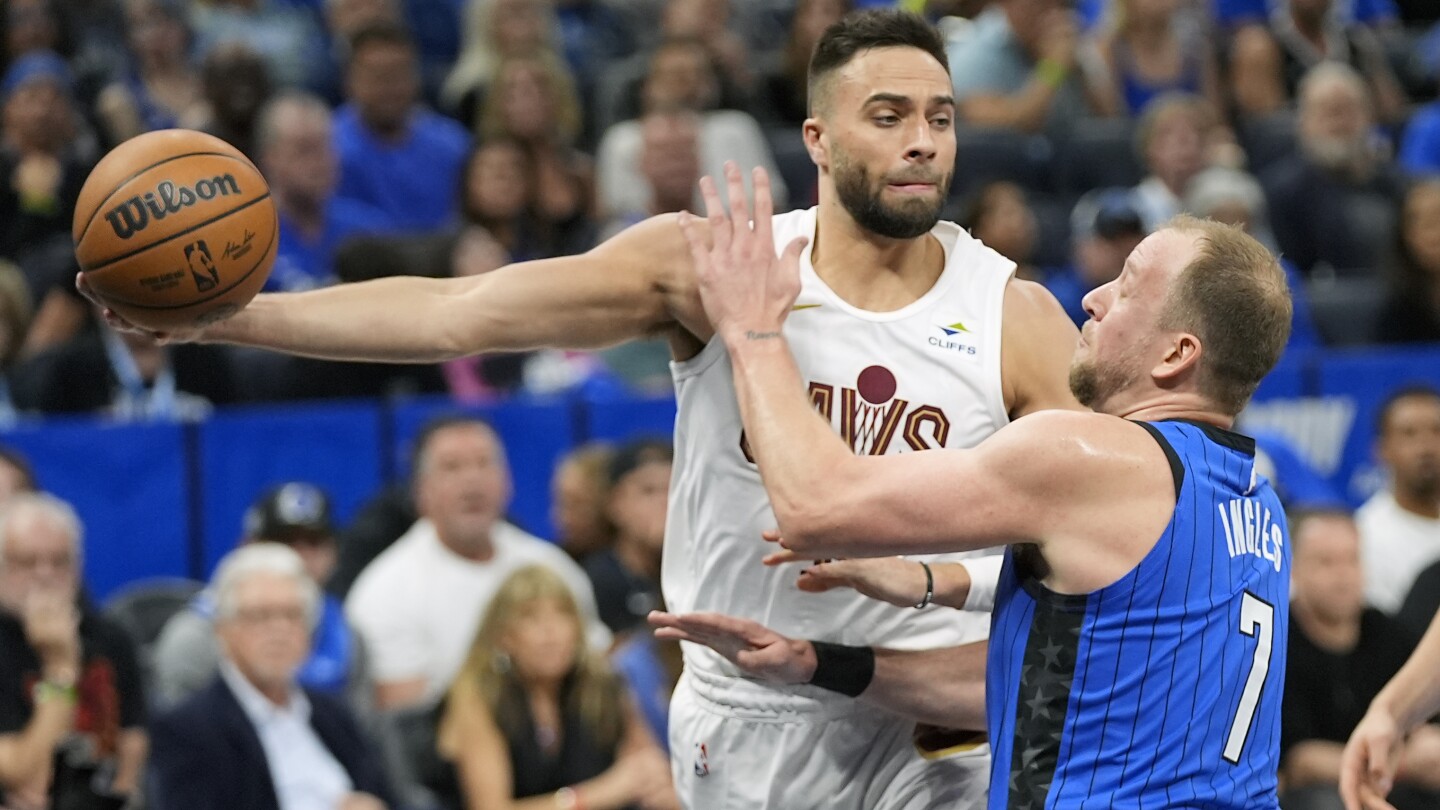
(1047,670)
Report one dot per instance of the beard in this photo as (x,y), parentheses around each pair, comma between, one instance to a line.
(1093,384)
(911,218)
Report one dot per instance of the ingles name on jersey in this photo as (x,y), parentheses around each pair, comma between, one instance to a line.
(870,417)
(1249,529)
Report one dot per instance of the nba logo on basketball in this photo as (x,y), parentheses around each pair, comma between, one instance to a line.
(202,266)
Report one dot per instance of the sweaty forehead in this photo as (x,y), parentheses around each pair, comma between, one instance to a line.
(900,71)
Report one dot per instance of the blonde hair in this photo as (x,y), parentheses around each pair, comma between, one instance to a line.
(1234,297)
(491,123)
(591,690)
(479,60)
(16,308)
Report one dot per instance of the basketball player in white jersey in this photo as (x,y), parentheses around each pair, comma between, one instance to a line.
(912,336)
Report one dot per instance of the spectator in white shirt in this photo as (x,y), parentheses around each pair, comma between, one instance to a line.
(418,605)
(1400,525)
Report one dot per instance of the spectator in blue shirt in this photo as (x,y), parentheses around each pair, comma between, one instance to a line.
(1420,148)
(294,142)
(395,155)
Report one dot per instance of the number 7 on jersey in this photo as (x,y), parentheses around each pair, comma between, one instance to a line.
(1257,619)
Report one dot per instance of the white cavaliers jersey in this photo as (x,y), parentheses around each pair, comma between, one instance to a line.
(923,377)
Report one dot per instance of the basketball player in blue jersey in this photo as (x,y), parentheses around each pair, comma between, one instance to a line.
(1137,648)
(918,337)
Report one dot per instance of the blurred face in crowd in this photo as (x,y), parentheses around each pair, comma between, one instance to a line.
(1176,150)
(890,160)
(1422,226)
(346,17)
(156,36)
(37,556)
(1310,9)
(317,550)
(1006,223)
(670,159)
(682,75)
(1335,123)
(578,507)
(1410,445)
(38,116)
(542,641)
(519,27)
(267,636)
(384,82)
(526,101)
(1232,212)
(30,25)
(497,183)
(1122,340)
(1028,19)
(299,160)
(237,84)
(812,17)
(638,503)
(1149,11)
(695,18)
(462,485)
(1329,582)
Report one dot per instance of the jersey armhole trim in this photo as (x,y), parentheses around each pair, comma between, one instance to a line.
(1177,468)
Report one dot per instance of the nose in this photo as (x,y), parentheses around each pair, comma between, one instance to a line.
(1093,302)
(921,148)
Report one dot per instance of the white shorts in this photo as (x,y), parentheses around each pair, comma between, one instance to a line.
(739,745)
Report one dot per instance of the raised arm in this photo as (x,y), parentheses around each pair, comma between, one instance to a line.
(637,283)
(1367,768)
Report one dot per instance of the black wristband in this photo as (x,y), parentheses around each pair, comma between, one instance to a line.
(847,670)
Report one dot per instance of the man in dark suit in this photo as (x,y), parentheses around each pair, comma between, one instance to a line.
(254,739)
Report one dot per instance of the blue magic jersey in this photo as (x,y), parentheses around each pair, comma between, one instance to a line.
(1163,689)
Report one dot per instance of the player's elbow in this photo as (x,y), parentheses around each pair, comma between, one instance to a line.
(823,520)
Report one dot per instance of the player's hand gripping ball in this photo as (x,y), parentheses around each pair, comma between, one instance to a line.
(175,230)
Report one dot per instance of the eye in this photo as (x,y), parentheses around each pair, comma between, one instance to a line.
(940,121)
(887,119)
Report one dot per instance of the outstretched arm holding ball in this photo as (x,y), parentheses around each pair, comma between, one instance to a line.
(635,284)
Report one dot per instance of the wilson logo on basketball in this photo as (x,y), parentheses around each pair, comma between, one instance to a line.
(130,217)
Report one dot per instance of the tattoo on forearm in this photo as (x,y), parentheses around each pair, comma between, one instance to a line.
(761,335)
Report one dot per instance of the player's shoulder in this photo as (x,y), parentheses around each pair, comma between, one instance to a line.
(1027,302)
(1065,443)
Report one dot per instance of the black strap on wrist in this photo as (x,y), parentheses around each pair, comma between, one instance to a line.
(929,586)
(838,668)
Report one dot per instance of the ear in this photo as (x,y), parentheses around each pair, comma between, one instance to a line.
(815,142)
(1181,360)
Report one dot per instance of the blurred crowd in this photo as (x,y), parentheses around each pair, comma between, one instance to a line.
(450,137)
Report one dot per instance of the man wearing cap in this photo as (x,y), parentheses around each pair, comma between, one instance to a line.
(1105,226)
(297,515)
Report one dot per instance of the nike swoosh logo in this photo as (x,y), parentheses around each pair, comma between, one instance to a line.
(799,307)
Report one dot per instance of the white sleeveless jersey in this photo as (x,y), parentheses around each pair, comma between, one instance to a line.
(919,378)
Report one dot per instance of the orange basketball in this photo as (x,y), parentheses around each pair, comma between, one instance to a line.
(175,229)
